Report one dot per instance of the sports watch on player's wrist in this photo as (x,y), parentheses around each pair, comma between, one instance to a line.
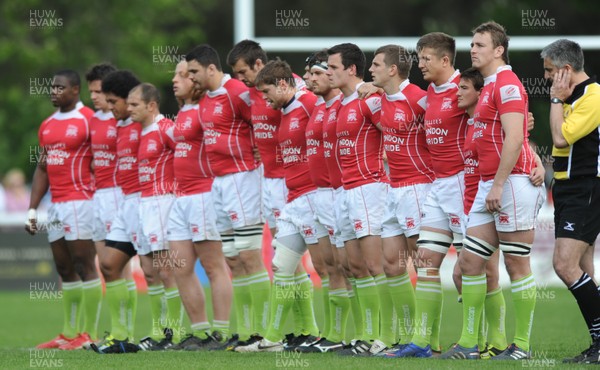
(556,100)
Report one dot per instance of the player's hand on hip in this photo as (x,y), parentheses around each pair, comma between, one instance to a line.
(530,121)
(537,176)
(492,201)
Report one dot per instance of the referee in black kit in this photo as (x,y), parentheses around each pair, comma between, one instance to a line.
(574,123)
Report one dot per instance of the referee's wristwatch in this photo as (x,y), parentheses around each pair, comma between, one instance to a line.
(556,100)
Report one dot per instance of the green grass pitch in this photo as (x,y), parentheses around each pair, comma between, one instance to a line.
(558,332)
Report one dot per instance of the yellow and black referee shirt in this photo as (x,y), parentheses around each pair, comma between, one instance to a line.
(581,129)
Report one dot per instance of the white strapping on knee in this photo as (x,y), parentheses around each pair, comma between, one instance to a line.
(428,272)
(457,241)
(228,245)
(479,247)
(248,238)
(286,260)
(436,242)
(516,248)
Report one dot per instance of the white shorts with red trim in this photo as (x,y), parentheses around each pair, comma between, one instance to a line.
(361,211)
(107,202)
(193,217)
(325,213)
(72,220)
(299,217)
(237,200)
(126,224)
(274,196)
(444,206)
(520,204)
(339,195)
(404,206)
(154,218)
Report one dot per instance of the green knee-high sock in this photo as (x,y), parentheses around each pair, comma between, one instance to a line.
(428,297)
(436,329)
(297,315)
(368,297)
(92,303)
(259,286)
(117,298)
(200,329)
(482,336)
(495,315)
(221,326)
(339,308)
(403,296)
(387,314)
(357,317)
(284,298)
(131,309)
(174,313)
(325,295)
(305,297)
(72,299)
(524,293)
(473,295)
(242,303)
(156,293)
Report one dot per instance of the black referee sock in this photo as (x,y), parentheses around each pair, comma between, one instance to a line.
(586,294)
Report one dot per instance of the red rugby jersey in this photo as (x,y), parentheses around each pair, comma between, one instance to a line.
(314,146)
(330,143)
(104,149)
(128,142)
(404,136)
(226,120)
(445,127)
(471,169)
(65,137)
(502,93)
(360,143)
(265,123)
(190,163)
(292,141)
(155,158)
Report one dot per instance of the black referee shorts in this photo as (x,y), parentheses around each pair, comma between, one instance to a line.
(577,209)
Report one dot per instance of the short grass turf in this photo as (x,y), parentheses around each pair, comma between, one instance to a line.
(558,332)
